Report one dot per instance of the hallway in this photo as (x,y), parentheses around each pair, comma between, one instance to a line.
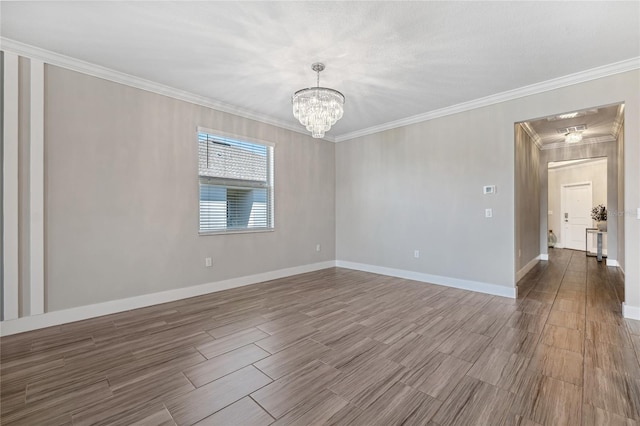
(587,352)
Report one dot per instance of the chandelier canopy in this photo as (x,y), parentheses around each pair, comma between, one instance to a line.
(318,108)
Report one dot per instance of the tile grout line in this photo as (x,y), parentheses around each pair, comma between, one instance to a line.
(505,325)
(584,341)
(539,339)
(169,412)
(263,408)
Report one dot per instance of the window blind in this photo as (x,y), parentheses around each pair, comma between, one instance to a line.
(236,184)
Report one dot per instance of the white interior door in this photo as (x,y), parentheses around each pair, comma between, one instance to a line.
(576,215)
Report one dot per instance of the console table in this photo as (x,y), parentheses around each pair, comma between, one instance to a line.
(599,238)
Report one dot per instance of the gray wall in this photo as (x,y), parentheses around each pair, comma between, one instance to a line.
(608,150)
(121,195)
(24,92)
(527,193)
(420,187)
(594,172)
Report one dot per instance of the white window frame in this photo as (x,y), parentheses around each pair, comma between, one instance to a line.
(271,182)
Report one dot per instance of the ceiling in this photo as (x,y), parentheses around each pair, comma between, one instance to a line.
(392,60)
(601,124)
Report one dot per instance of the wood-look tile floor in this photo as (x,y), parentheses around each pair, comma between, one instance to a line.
(341,347)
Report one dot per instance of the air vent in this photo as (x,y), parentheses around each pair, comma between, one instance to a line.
(570,115)
(571,129)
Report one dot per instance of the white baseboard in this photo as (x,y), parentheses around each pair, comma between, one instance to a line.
(114,306)
(631,312)
(612,262)
(477,286)
(544,256)
(526,268)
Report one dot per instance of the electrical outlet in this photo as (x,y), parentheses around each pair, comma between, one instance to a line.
(416,254)
(318,248)
(208,262)
(488,212)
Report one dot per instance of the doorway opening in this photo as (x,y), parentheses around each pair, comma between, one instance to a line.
(566,165)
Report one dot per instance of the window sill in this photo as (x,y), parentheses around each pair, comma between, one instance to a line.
(238,231)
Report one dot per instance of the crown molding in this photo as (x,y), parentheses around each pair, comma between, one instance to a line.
(59,60)
(94,70)
(577,163)
(585,141)
(532,134)
(533,89)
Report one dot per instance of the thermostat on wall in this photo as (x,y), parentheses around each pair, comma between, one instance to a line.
(489,190)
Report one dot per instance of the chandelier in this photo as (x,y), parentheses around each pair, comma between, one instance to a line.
(317,108)
(573,137)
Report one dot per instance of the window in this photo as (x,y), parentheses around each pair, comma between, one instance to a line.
(236,185)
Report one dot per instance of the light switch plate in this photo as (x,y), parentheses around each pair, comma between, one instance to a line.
(489,189)
(488,212)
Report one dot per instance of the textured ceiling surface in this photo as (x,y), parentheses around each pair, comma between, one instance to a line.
(392,60)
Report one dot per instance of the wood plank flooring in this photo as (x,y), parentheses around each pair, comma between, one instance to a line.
(342,347)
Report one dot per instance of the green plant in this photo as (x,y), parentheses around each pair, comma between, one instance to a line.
(599,213)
